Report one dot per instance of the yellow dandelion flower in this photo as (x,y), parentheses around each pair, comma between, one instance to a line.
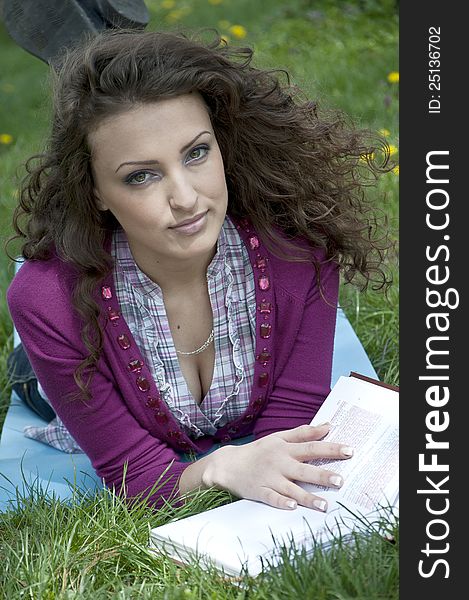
(174,15)
(238,31)
(224,24)
(392,149)
(367,157)
(215,2)
(5,138)
(168,4)
(393,77)
(384,132)
(396,170)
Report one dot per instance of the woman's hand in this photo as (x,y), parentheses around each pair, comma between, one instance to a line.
(266,469)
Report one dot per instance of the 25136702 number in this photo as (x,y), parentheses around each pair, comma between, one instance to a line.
(434,74)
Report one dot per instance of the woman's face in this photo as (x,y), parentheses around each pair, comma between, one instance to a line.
(159,170)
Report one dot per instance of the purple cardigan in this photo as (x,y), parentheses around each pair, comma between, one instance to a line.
(125,422)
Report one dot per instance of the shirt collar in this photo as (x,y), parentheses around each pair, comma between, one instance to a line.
(219,259)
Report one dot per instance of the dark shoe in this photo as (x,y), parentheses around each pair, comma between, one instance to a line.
(45,27)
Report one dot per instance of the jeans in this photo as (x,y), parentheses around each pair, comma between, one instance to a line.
(24,383)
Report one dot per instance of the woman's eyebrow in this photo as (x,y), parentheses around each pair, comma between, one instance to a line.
(155,162)
(187,146)
(138,162)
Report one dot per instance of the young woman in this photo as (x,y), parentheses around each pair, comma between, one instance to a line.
(183,235)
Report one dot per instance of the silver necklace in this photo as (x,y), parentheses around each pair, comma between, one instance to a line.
(201,349)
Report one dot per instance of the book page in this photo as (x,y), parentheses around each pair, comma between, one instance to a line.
(364,416)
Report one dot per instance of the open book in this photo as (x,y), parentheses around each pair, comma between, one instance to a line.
(243,536)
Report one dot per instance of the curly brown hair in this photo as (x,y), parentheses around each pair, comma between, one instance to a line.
(286,166)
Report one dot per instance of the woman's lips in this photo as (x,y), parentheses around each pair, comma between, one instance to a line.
(193,226)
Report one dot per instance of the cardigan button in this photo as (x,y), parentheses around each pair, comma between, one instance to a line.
(123,341)
(258,403)
(254,242)
(143,384)
(152,402)
(263,379)
(266,330)
(113,315)
(135,366)
(106,292)
(264,283)
(261,263)
(248,418)
(226,438)
(264,356)
(161,417)
(233,429)
(265,308)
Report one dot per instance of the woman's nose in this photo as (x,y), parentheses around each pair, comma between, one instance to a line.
(182,194)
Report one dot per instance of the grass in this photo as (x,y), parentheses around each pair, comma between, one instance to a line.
(98,548)
(340,53)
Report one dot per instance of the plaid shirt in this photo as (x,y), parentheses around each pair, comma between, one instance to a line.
(231,290)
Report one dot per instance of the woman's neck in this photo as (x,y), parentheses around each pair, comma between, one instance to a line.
(176,276)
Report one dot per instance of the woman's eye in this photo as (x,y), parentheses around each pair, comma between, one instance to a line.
(138,178)
(197,153)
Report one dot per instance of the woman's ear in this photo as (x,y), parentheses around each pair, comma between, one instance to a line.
(100,204)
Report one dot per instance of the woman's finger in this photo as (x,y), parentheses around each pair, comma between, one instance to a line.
(306,451)
(304,433)
(303,498)
(277,500)
(307,473)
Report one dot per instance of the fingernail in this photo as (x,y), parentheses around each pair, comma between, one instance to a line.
(320,504)
(291,504)
(324,424)
(335,480)
(347,450)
